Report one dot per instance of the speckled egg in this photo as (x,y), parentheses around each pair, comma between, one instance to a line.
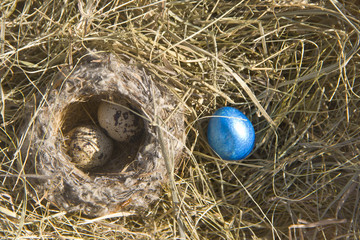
(231,134)
(120,123)
(89,147)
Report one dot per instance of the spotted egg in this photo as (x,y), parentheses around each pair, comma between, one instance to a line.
(120,123)
(89,146)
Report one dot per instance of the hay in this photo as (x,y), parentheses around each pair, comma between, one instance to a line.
(291,66)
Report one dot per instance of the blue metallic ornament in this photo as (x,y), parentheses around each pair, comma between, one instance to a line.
(231,134)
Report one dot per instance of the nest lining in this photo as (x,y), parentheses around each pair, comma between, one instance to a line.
(136,169)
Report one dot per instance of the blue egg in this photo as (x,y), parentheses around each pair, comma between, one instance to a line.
(231,134)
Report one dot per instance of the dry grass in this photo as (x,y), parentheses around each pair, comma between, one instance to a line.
(292,68)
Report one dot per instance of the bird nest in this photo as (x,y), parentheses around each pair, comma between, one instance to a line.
(136,168)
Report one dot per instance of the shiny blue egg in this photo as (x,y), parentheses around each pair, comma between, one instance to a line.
(231,134)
